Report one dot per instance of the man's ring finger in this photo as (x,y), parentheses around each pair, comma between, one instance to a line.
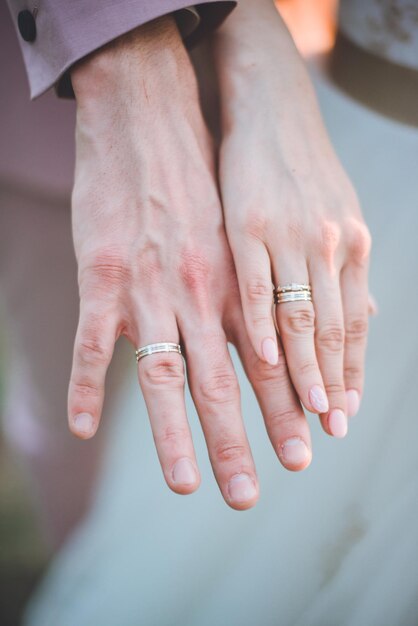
(154,348)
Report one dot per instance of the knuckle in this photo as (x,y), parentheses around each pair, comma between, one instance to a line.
(172,435)
(263,373)
(267,379)
(257,290)
(299,320)
(353,372)
(255,226)
(359,241)
(334,387)
(220,388)
(86,388)
(282,416)
(226,451)
(330,338)
(329,239)
(91,351)
(194,270)
(305,368)
(107,269)
(356,330)
(261,321)
(164,372)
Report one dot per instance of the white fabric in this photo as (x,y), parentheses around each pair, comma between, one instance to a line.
(387,28)
(334,545)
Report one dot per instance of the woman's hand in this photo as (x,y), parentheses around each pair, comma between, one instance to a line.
(154,265)
(291,215)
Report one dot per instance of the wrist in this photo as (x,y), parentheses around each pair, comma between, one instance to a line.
(254,27)
(146,56)
(257,61)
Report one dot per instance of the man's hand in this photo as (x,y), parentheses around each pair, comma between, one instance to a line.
(154,265)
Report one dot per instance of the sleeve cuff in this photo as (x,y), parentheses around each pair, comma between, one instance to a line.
(68,31)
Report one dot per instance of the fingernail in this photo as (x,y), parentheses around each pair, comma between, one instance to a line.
(83,423)
(184,472)
(241,488)
(338,423)
(353,402)
(295,451)
(318,399)
(270,351)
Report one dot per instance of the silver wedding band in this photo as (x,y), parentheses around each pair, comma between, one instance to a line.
(155,348)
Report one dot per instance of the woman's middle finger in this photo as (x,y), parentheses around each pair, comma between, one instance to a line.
(285,421)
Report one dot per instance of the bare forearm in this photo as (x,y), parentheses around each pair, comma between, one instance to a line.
(255,57)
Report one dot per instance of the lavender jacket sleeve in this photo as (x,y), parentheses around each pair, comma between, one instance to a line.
(54,34)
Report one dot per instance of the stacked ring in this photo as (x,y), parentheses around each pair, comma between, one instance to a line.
(294,292)
(154,348)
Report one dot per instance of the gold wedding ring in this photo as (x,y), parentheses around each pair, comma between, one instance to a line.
(154,348)
(293,292)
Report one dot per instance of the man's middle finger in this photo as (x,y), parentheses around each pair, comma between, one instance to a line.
(286,424)
(214,387)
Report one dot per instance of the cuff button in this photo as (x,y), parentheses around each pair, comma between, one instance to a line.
(27,25)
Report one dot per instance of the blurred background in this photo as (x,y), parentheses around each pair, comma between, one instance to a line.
(23,555)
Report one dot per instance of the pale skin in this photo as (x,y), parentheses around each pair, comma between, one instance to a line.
(155,263)
(291,215)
